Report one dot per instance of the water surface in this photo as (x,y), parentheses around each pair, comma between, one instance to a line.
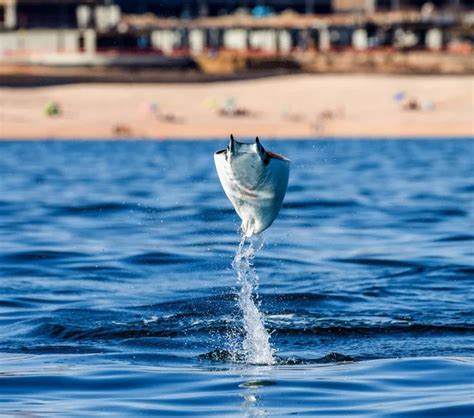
(117,295)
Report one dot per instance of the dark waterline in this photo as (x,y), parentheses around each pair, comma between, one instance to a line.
(117,297)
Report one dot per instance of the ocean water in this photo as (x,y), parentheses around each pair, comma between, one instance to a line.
(118,296)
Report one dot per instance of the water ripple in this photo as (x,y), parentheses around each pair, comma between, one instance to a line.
(117,296)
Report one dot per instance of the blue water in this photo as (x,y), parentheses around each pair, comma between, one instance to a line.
(117,295)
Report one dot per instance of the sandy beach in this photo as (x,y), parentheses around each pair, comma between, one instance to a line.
(296,106)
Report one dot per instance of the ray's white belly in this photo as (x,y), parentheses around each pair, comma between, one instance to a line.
(255,190)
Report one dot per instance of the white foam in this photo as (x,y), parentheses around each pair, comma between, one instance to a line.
(256,344)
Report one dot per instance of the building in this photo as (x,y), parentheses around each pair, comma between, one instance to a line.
(96,32)
(371,6)
(57,14)
(72,33)
(194,8)
(50,27)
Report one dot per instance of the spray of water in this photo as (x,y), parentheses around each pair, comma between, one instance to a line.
(256,343)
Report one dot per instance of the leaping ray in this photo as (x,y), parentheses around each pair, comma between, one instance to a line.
(255,181)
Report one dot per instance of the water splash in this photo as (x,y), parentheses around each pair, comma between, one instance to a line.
(256,344)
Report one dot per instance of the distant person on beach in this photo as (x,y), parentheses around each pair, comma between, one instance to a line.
(52,109)
(154,109)
(230,108)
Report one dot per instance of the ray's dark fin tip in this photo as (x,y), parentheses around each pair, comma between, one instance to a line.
(232,143)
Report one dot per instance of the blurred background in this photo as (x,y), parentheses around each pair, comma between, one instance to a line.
(117,296)
(374,55)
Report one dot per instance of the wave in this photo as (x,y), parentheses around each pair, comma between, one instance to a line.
(227,356)
(456,238)
(93,209)
(109,326)
(315,204)
(380,262)
(372,330)
(158,258)
(40,256)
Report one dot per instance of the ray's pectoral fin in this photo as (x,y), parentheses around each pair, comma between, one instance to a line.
(262,152)
(232,144)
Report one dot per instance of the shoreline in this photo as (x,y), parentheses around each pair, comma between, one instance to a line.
(245,139)
(283,107)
